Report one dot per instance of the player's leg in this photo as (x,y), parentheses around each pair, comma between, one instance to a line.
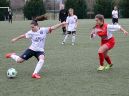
(116,20)
(19,59)
(15,57)
(11,19)
(101,51)
(73,37)
(113,20)
(107,58)
(63,28)
(66,36)
(40,57)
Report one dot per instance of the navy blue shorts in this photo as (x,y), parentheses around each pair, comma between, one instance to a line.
(71,32)
(30,53)
(114,20)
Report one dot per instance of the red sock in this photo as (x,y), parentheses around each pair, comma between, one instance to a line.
(107,58)
(101,58)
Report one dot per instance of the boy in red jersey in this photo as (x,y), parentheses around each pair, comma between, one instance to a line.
(104,31)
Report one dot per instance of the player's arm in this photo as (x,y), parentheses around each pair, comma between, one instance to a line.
(93,34)
(57,26)
(114,28)
(17,38)
(76,23)
(123,30)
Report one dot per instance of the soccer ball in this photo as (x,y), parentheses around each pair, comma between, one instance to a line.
(11,73)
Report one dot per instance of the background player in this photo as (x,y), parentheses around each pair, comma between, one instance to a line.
(71,26)
(38,37)
(115,15)
(62,17)
(104,31)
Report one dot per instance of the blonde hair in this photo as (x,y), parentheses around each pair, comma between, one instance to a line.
(71,9)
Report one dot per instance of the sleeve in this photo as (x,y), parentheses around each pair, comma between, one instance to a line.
(28,35)
(113,28)
(112,12)
(47,30)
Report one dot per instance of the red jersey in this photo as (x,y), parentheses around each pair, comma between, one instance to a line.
(102,31)
(105,37)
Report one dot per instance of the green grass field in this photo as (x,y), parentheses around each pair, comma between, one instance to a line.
(68,70)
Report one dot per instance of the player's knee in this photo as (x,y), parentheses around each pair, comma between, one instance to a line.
(19,60)
(73,34)
(100,51)
(41,61)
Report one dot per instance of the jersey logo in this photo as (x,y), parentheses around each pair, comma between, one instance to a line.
(41,32)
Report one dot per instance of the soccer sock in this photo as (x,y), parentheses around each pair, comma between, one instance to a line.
(15,57)
(39,66)
(65,38)
(73,38)
(107,58)
(101,58)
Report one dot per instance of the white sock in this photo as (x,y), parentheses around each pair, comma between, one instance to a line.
(39,66)
(65,38)
(73,39)
(15,57)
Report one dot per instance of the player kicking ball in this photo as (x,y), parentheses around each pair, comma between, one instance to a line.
(38,37)
(71,26)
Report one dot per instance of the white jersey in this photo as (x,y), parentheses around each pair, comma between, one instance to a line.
(71,21)
(115,14)
(112,28)
(37,38)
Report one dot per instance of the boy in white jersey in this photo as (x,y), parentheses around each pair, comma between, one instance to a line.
(38,37)
(115,15)
(71,26)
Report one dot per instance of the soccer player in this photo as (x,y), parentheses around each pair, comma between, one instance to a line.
(10,14)
(62,17)
(38,37)
(115,15)
(71,26)
(104,31)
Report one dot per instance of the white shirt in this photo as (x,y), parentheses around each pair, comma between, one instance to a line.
(37,38)
(71,21)
(112,28)
(115,14)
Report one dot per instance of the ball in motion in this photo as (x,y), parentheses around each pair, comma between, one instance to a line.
(11,73)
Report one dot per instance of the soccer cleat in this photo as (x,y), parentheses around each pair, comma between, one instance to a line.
(63,43)
(108,66)
(8,55)
(101,68)
(35,75)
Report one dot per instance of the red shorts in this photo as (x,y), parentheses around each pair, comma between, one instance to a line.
(110,42)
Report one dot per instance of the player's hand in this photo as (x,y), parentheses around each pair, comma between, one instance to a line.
(91,36)
(126,33)
(13,40)
(64,23)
